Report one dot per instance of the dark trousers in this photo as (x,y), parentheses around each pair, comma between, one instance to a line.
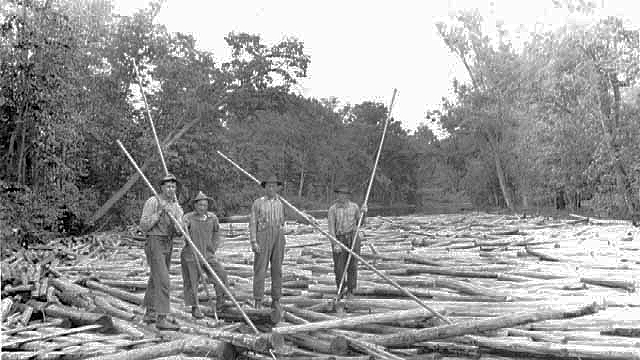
(158,250)
(271,242)
(191,277)
(340,261)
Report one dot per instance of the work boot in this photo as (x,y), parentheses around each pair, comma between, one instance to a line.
(257,304)
(349,295)
(164,324)
(196,313)
(149,317)
(220,304)
(276,311)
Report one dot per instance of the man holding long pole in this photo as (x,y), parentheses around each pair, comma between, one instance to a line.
(342,220)
(160,231)
(366,197)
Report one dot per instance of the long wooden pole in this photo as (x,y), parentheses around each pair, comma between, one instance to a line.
(344,247)
(354,321)
(153,127)
(366,197)
(190,242)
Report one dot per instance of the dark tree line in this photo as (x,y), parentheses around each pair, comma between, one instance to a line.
(70,90)
(556,118)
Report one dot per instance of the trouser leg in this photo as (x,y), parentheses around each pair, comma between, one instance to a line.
(260,263)
(352,271)
(222,274)
(159,258)
(190,279)
(339,261)
(277,257)
(148,293)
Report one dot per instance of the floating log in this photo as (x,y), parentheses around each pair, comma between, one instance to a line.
(52,323)
(337,345)
(446,331)
(541,255)
(563,351)
(16,343)
(355,321)
(371,349)
(76,316)
(120,294)
(194,345)
(5,308)
(471,351)
(628,285)
(618,331)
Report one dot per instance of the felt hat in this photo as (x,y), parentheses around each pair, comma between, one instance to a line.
(168,178)
(201,196)
(343,189)
(271,179)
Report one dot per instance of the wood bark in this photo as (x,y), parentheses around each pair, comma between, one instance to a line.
(16,343)
(196,346)
(376,351)
(120,294)
(76,316)
(5,308)
(338,345)
(356,321)
(562,351)
(409,337)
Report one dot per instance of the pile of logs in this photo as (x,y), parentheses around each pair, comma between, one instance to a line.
(510,288)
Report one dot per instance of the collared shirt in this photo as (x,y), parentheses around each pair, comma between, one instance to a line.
(343,218)
(204,232)
(154,223)
(265,213)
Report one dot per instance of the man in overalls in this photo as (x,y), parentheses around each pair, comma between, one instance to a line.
(266,235)
(204,230)
(342,221)
(160,231)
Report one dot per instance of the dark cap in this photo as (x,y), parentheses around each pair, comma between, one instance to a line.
(272,179)
(168,178)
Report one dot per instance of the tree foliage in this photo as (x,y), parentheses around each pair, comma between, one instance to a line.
(552,120)
(70,90)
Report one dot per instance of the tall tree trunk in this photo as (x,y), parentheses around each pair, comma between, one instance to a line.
(22,154)
(611,112)
(503,182)
(11,151)
(301,181)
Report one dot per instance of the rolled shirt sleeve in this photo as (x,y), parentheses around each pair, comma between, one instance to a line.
(150,214)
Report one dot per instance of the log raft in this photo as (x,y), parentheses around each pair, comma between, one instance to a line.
(512,288)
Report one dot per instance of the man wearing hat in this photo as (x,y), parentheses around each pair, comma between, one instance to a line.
(160,231)
(204,230)
(342,220)
(266,235)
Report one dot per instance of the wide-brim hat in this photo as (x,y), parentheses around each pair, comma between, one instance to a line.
(168,178)
(271,179)
(342,189)
(201,196)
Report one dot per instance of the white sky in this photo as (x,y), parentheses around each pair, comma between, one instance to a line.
(361,50)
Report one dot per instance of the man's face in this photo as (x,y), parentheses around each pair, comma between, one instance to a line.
(272,189)
(201,206)
(342,197)
(169,189)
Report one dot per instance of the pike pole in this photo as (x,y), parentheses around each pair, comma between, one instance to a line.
(366,197)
